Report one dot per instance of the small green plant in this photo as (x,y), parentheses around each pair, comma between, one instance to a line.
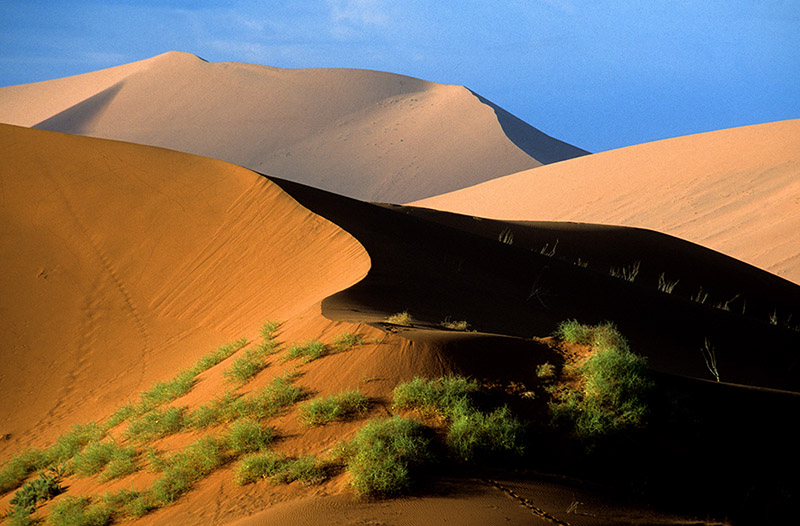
(321,411)
(571,331)
(666,285)
(401,318)
(72,442)
(187,467)
(158,423)
(548,251)
(269,330)
(164,392)
(109,457)
(346,341)
(75,511)
(216,411)
(454,325)
(545,370)
(16,470)
(710,357)
(613,388)
(506,236)
(245,367)
(308,351)
(280,469)
(383,456)
(628,273)
(41,489)
(475,435)
(248,436)
(442,395)
(701,296)
(271,400)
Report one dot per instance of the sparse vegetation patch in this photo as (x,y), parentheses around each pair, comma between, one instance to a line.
(321,411)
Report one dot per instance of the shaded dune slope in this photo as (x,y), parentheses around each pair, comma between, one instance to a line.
(366,134)
(439,266)
(121,264)
(734,191)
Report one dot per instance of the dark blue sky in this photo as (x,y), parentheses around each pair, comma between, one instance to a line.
(597,74)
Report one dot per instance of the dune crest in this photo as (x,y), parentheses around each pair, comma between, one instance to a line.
(365,134)
(734,191)
(122,263)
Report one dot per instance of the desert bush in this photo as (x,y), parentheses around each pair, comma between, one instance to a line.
(280,469)
(80,511)
(109,457)
(308,351)
(455,325)
(43,488)
(628,273)
(545,370)
(347,340)
(19,467)
(269,330)
(271,400)
(185,468)
(248,436)
(245,367)
(475,435)
(217,355)
(666,285)
(442,395)
(164,392)
(401,318)
(382,457)
(72,442)
(613,388)
(321,411)
(158,423)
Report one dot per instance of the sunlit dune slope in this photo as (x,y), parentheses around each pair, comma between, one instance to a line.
(366,134)
(736,191)
(121,264)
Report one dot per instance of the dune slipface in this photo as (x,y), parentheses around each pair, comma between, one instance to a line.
(121,264)
(734,191)
(365,134)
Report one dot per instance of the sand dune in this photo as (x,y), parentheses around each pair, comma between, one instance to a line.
(366,134)
(123,263)
(735,191)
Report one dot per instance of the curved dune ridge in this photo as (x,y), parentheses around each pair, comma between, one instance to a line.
(735,191)
(121,264)
(365,134)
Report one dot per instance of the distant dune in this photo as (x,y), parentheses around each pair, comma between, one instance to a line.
(365,134)
(736,191)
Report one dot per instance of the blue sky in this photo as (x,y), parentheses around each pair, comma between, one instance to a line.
(598,74)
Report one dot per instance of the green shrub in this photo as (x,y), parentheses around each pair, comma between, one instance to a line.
(245,367)
(72,442)
(120,415)
(249,436)
(271,400)
(613,388)
(442,395)
(19,516)
(308,351)
(455,325)
(185,468)
(43,488)
(280,469)
(321,411)
(401,318)
(572,331)
(269,330)
(164,392)
(474,435)
(157,423)
(16,470)
(384,454)
(545,370)
(217,355)
(347,340)
(109,457)
(79,511)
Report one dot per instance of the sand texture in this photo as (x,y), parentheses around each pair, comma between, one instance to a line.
(366,134)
